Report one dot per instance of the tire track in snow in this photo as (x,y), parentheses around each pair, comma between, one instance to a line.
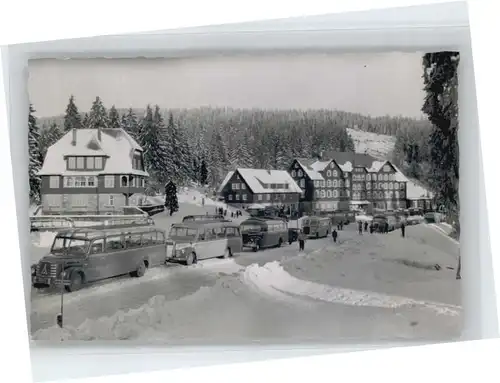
(274,281)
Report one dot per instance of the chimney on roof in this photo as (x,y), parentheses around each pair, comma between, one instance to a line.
(73,140)
(99,133)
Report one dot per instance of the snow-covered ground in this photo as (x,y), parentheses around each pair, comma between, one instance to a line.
(365,288)
(379,146)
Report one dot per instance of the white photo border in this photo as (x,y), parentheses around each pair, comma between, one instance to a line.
(421,28)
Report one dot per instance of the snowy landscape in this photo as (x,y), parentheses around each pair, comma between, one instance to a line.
(358,286)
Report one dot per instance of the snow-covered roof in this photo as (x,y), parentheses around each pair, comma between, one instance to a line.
(226,180)
(260,180)
(346,167)
(376,166)
(319,166)
(413,188)
(310,171)
(116,144)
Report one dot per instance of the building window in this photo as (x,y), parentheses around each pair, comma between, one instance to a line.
(111,200)
(316,193)
(328,183)
(98,163)
(259,197)
(332,164)
(386,168)
(328,173)
(90,163)
(80,163)
(237,197)
(335,183)
(347,183)
(323,183)
(268,197)
(243,186)
(390,186)
(235,186)
(54,182)
(244,197)
(348,193)
(230,197)
(124,181)
(401,185)
(109,181)
(323,194)
(341,183)
(402,194)
(71,163)
(299,173)
(368,185)
(78,200)
(380,177)
(335,174)
(335,194)
(329,194)
(91,182)
(397,194)
(368,177)
(302,183)
(294,173)
(386,177)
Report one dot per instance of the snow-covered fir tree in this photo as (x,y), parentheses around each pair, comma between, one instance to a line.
(130,123)
(35,160)
(171,202)
(72,118)
(85,121)
(98,116)
(441,108)
(203,173)
(48,137)
(178,152)
(114,118)
(153,143)
(217,162)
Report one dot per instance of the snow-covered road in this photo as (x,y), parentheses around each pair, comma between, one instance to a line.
(370,288)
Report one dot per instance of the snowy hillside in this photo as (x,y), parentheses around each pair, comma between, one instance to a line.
(379,146)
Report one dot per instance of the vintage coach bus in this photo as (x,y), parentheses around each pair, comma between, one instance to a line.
(81,256)
(259,233)
(191,242)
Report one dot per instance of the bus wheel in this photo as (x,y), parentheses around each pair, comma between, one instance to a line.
(191,258)
(140,271)
(280,242)
(256,247)
(76,282)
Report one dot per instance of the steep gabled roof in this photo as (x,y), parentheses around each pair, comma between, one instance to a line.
(260,180)
(306,165)
(115,144)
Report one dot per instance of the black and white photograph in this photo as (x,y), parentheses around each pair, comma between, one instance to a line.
(234,199)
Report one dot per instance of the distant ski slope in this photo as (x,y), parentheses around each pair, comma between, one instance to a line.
(379,146)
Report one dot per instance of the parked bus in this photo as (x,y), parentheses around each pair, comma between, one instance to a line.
(259,233)
(202,218)
(191,242)
(85,255)
(316,227)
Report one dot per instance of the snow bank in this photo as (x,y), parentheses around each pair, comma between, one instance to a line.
(156,314)
(273,280)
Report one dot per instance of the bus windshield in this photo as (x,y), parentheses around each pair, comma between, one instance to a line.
(184,232)
(65,245)
(250,227)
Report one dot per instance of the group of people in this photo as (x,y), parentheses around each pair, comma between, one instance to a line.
(385,228)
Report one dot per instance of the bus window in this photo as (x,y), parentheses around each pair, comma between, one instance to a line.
(147,238)
(133,241)
(219,232)
(209,235)
(114,243)
(97,246)
(160,238)
(230,232)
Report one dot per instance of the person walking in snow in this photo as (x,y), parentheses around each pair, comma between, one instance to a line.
(366,225)
(334,235)
(371,227)
(360,228)
(403,229)
(302,239)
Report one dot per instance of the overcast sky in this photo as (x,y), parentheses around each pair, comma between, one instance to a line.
(375,84)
